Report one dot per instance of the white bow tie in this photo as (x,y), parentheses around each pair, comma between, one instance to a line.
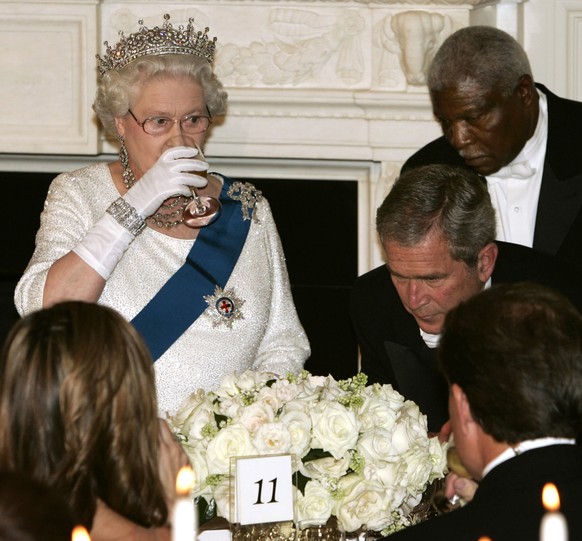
(520,170)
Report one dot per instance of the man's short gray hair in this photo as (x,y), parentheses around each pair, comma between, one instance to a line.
(481,54)
(451,201)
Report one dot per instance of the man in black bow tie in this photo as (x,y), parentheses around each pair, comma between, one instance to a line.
(512,358)
(437,228)
(525,141)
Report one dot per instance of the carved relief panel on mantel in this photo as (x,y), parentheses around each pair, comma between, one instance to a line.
(309,80)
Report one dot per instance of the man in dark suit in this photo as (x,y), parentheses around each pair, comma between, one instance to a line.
(437,227)
(523,139)
(512,356)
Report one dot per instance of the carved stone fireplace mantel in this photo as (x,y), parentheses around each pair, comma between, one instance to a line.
(317,89)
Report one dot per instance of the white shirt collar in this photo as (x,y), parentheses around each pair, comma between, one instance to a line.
(524,446)
(534,150)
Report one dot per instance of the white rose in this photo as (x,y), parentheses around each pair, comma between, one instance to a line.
(228,386)
(418,469)
(231,441)
(255,415)
(285,390)
(298,423)
(272,438)
(298,404)
(199,417)
(335,428)
(389,477)
(310,388)
(247,381)
(193,401)
(386,393)
(410,428)
(361,504)
(230,407)
(438,457)
(375,445)
(376,412)
(412,410)
(315,505)
(268,397)
(325,467)
(330,390)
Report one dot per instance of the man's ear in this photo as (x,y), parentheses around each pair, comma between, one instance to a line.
(486,261)
(462,409)
(526,89)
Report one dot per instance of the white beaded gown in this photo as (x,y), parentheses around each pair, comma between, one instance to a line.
(268,336)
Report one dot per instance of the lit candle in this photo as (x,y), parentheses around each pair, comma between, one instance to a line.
(80,534)
(553,526)
(183,515)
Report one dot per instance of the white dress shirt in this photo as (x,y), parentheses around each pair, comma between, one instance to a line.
(524,446)
(515,188)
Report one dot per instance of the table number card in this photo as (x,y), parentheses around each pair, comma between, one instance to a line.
(263,489)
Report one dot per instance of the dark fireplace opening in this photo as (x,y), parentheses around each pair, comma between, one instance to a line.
(318,225)
(25,194)
(317,222)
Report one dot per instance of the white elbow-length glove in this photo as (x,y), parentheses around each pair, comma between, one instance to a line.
(105,243)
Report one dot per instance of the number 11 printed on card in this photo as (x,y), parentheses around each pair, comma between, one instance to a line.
(263,489)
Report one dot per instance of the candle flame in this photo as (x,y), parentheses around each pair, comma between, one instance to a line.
(80,534)
(185,480)
(484,538)
(551,497)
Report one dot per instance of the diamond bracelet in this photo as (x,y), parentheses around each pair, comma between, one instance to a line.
(126,216)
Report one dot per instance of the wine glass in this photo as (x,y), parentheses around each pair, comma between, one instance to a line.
(203,209)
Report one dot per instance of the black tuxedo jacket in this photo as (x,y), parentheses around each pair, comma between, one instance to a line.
(508,503)
(392,350)
(558,228)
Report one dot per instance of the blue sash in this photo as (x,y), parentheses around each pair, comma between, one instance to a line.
(210,262)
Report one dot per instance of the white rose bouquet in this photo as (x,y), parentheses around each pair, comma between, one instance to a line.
(362,453)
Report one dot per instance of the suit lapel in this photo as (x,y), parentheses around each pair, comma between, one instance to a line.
(566,195)
(560,200)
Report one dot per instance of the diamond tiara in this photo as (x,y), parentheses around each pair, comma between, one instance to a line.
(156,42)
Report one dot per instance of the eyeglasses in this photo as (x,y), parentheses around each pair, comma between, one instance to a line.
(158,125)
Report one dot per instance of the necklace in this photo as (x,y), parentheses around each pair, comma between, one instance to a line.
(167,220)
(162,220)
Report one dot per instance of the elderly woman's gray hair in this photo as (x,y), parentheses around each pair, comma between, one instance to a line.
(117,89)
(452,201)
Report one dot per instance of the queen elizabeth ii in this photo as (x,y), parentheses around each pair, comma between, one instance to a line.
(209,301)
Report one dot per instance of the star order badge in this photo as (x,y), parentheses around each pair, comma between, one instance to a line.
(224,307)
